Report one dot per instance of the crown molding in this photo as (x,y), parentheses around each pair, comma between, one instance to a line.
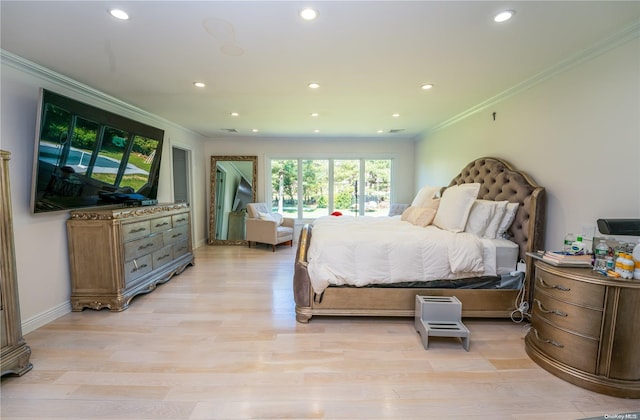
(23,65)
(618,38)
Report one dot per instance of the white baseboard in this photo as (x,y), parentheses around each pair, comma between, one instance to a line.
(44,318)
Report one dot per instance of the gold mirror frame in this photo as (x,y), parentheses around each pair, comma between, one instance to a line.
(213,195)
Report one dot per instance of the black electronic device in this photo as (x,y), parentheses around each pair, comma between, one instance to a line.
(83,152)
(243,196)
(630,227)
(127,199)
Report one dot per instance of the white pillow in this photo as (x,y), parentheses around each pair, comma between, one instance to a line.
(492,228)
(278,218)
(507,219)
(419,216)
(480,216)
(272,217)
(426,197)
(455,206)
(266,216)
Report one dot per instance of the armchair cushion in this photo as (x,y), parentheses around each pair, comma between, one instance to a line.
(254,210)
(396,209)
(273,217)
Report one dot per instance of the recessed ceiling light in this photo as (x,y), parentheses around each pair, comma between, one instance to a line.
(317,130)
(380,131)
(234,114)
(199,84)
(308,13)
(426,86)
(313,85)
(504,16)
(119,14)
(314,114)
(396,115)
(255,130)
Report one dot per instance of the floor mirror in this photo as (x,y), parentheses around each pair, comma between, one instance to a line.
(233,186)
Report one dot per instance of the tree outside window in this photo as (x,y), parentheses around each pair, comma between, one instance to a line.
(352,186)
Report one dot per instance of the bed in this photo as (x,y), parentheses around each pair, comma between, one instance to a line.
(498,182)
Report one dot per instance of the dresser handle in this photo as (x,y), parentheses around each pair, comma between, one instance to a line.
(163,257)
(138,230)
(141,247)
(555,286)
(177,235)
(180,220)
(547,341)
(136,268)
(547,311)
(162,224)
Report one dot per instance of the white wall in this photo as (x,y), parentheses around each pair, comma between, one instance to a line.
(401,151)
(41,240)
(577,133)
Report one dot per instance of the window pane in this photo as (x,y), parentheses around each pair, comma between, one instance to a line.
(53,143)
(346,174)
(83,142)
(315,186)
(284,184)
(136,174)
(110,155)
(377,187)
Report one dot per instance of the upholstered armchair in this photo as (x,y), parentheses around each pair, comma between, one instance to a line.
(396,209)
(266,227)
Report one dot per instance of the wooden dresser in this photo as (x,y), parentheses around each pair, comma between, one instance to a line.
(584,329)
(15,354)
(116,254)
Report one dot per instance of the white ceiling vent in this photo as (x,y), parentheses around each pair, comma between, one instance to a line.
(396,130)
(229,130)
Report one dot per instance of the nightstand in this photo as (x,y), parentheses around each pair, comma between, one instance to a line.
(584,329)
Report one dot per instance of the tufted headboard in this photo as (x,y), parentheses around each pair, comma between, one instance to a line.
(499,181)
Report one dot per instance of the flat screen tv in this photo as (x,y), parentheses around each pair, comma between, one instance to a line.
(87,157)
(243,196)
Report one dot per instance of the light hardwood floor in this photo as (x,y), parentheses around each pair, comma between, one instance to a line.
(220,341)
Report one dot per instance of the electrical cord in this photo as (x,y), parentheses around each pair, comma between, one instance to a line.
(522,307)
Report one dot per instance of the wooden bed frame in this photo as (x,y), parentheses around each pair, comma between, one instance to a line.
(499,181)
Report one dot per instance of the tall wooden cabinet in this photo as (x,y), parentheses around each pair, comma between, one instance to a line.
(15,354)
(584,329)
(116,254)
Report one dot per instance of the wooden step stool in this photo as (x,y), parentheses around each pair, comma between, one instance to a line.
(440,316)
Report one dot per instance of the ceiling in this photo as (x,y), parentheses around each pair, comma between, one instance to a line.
(257,58)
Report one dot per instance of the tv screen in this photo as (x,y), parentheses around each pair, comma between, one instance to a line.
(87,157)
(244,195)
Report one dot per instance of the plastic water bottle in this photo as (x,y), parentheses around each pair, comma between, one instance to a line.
(568,241)
(611,264)
(600,253)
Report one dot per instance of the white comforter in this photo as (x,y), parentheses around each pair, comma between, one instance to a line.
(346,250)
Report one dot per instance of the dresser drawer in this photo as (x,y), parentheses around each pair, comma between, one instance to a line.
(175,235)
(569,290)
(137,268)
(135,230)
(160,224)
(162,256)
(180,219)
(578,352)
(582,321)
(142,246)
(180,248)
